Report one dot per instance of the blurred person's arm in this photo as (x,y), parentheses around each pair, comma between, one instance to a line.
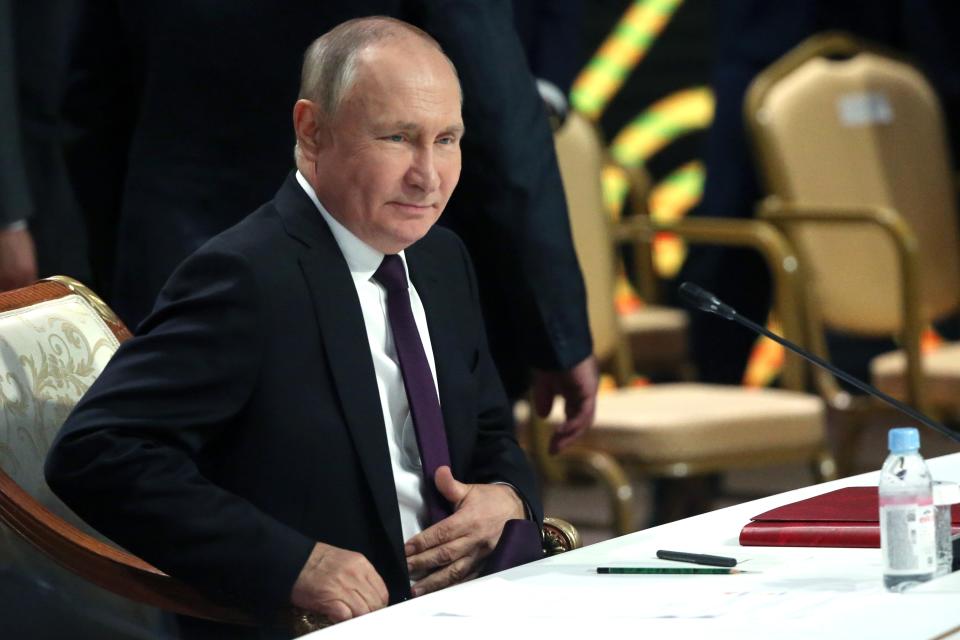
(99,107)
(18,261)
(510,207)
(551,35)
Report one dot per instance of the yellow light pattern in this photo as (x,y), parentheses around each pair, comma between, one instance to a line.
(616,58)
(663,122)
(650,132)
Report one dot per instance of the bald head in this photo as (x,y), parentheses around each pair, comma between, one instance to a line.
(331,63)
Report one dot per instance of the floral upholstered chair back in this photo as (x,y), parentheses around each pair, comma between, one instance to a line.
(51,350)
(56,336)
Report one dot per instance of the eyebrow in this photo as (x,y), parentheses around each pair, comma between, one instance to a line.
(457,128)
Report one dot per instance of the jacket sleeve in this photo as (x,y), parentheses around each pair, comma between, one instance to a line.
(15,200)
(126,460)
(510,207)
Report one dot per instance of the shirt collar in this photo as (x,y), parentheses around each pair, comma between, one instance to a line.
(362,259)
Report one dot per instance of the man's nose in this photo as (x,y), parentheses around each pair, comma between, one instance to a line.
(423,173)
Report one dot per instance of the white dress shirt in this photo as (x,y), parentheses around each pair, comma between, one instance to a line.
(363,260)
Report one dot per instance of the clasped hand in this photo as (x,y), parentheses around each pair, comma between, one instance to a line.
(343,584)
(339,584)
(453,549)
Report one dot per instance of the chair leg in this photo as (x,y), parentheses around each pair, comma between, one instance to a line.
(675,498)
(610,473)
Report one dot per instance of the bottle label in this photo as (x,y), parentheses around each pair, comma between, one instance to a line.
(908,538)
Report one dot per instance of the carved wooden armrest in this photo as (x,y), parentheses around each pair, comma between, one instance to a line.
(559,536)
(300,622)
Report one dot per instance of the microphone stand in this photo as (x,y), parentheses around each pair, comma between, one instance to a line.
(706,301)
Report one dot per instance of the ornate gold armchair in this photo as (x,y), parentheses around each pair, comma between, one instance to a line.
(55,338)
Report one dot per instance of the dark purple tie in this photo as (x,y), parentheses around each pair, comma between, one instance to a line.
(421,391)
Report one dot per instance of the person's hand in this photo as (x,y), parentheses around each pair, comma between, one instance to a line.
(18,260)
(339,584)
(578,387)
(453,549)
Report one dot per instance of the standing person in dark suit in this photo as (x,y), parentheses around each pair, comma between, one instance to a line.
(180,111)
(18,263)
(41,234)
(511,212)
(40,228)
(262,437)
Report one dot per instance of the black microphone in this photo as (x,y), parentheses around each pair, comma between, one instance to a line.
(705,301)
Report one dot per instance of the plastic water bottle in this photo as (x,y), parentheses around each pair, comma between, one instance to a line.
(907,529)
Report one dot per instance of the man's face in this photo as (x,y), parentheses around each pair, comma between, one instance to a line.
(390,158)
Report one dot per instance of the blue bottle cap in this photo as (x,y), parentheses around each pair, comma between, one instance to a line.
(903,439)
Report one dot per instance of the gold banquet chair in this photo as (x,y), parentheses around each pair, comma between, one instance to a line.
(56,336)
(655,334)
(852,145)
(673,430)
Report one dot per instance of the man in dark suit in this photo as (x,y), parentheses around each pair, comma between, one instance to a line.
(181,122)
(256,438)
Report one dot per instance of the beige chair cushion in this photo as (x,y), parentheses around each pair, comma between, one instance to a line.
(657,335)
(941,379)
(684,422)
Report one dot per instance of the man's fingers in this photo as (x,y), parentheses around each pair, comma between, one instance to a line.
(543,393)
(335,610)
(448,529)
(580,414)
(346,602)
(338,583)
(455,573)
(578,387)
(426,539)
(368,589)
(379,589)
(561,440)
(438,556)
(449,487)
(364,600)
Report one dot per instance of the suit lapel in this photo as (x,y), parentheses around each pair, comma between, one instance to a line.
(345,339)
(429,278)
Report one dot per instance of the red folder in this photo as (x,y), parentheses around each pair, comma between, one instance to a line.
(847,517)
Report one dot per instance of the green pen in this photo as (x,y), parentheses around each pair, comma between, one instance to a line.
(668,570)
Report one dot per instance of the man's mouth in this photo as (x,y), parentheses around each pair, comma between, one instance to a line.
(415,207)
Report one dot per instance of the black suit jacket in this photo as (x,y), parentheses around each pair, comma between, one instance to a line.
(244,423)
(181,119)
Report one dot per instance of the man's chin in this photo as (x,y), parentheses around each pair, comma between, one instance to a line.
(411,233)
